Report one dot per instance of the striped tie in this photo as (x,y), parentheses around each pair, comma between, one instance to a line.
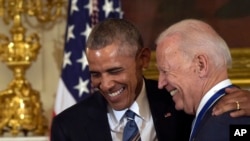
(131,132)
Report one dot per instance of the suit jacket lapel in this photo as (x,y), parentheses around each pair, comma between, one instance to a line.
(158,103)
(98,122)
(170,124)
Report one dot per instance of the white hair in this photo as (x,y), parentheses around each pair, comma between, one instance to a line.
(198,37)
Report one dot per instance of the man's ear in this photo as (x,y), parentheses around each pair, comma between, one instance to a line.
(145,56)
(202,65)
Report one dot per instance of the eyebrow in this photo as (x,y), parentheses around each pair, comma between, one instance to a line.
(109,70)
(114,69)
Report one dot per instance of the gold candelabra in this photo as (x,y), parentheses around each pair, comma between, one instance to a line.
(20,106)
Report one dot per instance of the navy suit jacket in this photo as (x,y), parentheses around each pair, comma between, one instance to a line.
(87,120)
(217,128)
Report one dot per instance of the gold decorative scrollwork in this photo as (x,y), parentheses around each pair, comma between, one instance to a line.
(20,108)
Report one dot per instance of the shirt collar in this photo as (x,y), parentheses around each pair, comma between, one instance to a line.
(139,107)
(211,92)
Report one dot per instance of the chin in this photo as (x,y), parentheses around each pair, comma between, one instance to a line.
(118,107)
(178,107)
(190,112)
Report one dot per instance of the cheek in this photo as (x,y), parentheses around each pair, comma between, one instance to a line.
(178,103)
(94,82)
(186,99)
(132,84)
(188,96)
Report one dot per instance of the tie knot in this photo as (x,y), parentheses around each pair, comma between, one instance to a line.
(131,131)
(130,114)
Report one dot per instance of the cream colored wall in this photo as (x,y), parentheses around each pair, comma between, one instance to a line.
(45,71)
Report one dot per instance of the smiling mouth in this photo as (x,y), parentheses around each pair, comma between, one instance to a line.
(116,93)
(173,92)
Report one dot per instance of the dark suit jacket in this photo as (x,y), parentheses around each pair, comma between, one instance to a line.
(217,128)
(87,120)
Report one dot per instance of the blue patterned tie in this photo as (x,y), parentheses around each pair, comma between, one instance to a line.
(131,132)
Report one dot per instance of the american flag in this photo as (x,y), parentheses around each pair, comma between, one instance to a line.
(74,83)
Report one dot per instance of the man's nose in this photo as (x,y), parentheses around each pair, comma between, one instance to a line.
(162,82)
(106,83)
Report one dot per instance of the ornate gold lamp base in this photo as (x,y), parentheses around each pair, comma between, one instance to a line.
(20,108)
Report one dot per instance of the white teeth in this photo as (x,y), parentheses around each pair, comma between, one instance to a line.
(173,92)
(116,93)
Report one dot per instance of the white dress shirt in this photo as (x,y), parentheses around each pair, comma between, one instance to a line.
(211,92)
(143,119)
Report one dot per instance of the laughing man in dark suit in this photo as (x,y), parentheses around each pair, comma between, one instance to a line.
(117,57)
